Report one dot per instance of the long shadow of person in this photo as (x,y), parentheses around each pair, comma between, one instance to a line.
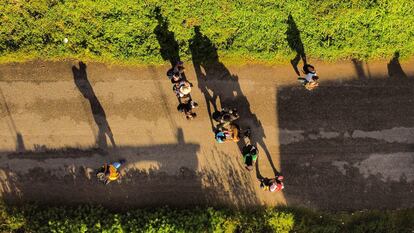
(359,68)
(394,67)
(295,43)
(204,55)
(218,84)
(81,80)
(169,48)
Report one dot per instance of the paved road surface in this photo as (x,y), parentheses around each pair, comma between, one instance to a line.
(347,145)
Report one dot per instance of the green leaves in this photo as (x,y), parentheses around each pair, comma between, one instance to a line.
(31,218)
(115,30)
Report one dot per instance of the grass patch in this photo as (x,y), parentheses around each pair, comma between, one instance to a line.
(32,218)
(151,31)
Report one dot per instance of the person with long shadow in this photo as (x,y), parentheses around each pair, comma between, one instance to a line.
(218,84)
(269,184)
(170,51)
(204,56)
(81,80)
(295,43)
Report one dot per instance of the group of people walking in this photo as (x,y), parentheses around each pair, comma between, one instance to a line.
(182,89)
(226,130)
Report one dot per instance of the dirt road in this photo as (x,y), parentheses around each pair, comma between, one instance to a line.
(347,145)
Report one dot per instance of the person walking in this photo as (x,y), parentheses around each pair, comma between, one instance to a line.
(178,68)
(310,79)
(230,134)
(109,172)
(225,117)
(272,185)
(187,108)
(250,153)
(182,89)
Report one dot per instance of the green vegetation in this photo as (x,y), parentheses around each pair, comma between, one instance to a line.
(95,219)
(124,31)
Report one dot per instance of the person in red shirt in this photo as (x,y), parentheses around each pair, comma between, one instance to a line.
(272,185)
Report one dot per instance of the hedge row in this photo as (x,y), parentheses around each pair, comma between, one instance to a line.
(37,219)
(269,30)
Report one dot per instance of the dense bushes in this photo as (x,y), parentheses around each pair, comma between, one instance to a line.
(125,30)
(96,219)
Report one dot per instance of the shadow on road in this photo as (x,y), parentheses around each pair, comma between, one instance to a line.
(220,87)
(81,80)
(171,177)
(394,67)
(348,145)
(295,43)
(12,125)
(359,69)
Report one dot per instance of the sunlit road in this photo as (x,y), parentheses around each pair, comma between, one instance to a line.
(347,145)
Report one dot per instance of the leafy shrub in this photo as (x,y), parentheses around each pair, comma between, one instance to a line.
(31,218)
(125,31)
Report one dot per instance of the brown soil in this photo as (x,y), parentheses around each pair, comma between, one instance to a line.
(346,145)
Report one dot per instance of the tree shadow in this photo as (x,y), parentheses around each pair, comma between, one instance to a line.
(394,67)
(342,146)
(81,80)
(220,87)
(295,43)
(169,47)
(66,176)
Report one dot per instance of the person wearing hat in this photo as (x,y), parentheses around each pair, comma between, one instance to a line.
(249,156)
(182,89)
(272,185)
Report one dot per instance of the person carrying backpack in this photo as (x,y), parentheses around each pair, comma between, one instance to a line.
(272,185)
(225,117)
(109,172)
(250,153)
(230,134)
(187,108)
(178,68)
(176,78)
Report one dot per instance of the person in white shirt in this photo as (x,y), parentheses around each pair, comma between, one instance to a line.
(310,79)
(182,89)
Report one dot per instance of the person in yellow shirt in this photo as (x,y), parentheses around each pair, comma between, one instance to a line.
(109,172)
